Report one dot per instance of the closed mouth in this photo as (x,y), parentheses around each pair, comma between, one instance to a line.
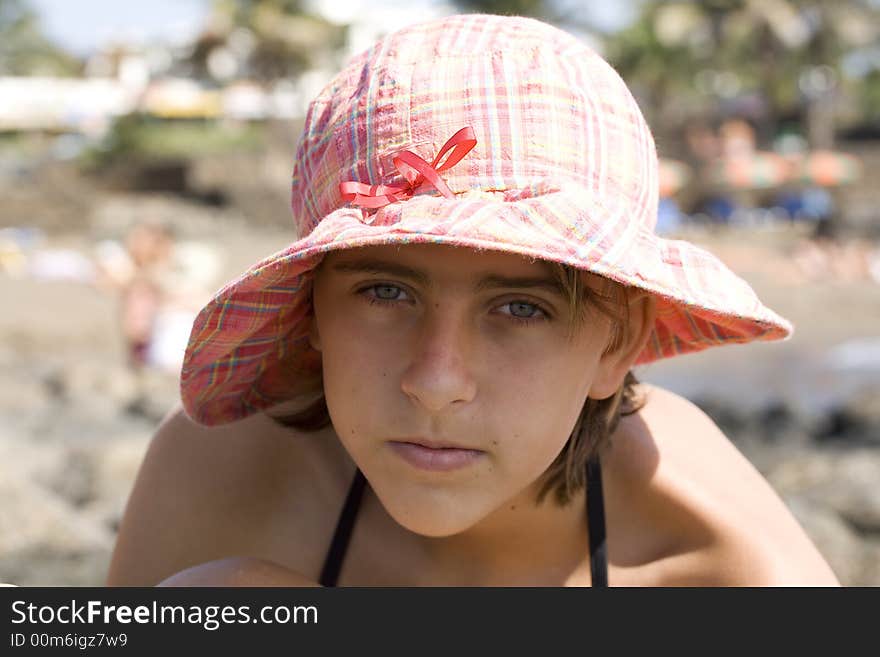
(438,445)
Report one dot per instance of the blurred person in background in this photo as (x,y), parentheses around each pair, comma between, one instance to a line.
(149,245)
(140,276)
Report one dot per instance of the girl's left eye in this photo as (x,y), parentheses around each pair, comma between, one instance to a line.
(525,312)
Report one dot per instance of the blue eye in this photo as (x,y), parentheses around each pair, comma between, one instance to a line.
(517,307)
(386,292)
(382,293)
(524,312)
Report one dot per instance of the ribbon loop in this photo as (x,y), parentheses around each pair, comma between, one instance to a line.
(417,172)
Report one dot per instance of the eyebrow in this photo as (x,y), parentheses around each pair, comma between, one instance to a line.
(487,282)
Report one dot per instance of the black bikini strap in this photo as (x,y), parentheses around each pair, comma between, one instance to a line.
(336,553)
(596,522)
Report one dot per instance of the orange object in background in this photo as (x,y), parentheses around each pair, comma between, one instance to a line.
(673,175)
(758,170)
(825,168)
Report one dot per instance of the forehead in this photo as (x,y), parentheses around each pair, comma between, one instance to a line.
(440,258)
(429,262)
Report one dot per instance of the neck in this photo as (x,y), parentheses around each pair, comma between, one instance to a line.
(519,544)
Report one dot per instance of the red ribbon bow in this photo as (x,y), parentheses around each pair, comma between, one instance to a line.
(417,172)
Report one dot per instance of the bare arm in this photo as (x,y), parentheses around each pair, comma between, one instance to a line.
(238,571)
(194,501)
(152,542)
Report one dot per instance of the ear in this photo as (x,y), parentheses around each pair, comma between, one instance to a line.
(613,366)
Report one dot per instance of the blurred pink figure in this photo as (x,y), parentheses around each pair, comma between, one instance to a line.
(138,278)
(149,246)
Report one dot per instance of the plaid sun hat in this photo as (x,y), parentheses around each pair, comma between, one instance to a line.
(488,132)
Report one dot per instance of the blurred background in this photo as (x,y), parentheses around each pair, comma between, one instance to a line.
(145,156)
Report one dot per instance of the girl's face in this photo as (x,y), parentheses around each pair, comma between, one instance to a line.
(434,343)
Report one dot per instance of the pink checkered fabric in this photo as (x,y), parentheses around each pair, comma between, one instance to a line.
(564,168)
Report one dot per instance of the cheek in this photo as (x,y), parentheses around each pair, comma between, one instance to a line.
(358,379)
(549,383)
(536,431)
(534,408)
(356,360)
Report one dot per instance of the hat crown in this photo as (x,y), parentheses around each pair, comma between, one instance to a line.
(547,111)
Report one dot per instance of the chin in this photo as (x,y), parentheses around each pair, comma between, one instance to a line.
(437,518)
(433,527)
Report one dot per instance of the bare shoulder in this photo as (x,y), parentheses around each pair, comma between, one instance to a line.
(204,493)
(722,522)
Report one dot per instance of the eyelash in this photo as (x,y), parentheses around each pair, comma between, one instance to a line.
(523,321)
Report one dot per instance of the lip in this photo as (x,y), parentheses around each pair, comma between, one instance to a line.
(433,444)
(437,459)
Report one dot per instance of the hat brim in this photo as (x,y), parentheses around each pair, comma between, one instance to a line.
(240,338)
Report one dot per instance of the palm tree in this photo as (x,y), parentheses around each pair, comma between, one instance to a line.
(282,38)
(24,50)
(691,55)
(571,15)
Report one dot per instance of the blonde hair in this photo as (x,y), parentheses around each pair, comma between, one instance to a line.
(596,422)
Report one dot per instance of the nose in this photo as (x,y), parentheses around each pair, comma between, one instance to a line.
(441,371)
